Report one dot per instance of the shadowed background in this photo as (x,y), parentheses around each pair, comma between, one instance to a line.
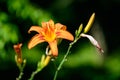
(84,61)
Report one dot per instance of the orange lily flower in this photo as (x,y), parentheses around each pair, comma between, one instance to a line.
(49,32)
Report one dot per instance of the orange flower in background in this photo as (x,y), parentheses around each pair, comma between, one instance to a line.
(49,32)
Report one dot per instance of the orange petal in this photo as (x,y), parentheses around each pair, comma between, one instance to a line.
(60,26)
(35,28)
(53,47)
(35,40)
(65,35)
(51,23)
(44,24)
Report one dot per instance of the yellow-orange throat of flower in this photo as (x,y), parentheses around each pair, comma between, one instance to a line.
(49,33)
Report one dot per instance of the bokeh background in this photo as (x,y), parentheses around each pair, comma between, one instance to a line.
(84,61)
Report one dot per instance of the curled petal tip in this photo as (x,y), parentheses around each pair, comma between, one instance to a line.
(29,47)
(35,28)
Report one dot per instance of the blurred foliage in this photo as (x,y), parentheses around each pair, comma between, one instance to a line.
(8,34)
(84,61)
(25,10)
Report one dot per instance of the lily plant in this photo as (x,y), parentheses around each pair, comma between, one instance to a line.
(52,33)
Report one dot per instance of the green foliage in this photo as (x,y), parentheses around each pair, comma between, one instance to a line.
(8,34)
(25,10)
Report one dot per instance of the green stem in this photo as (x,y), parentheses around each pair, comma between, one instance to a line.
(35,72)
(41,64)
(64,58)
(21,69)
(21,74)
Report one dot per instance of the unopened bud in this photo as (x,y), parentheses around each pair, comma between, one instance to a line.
(89,24)
(93,41)
(18,51)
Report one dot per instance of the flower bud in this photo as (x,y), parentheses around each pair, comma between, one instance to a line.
(89,24)
(18,51)
(93,41)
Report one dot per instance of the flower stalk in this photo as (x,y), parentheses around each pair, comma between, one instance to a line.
(64,58)
(19,60)
(41,64)
(78,35)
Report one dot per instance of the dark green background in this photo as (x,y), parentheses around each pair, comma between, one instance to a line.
(84,62)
